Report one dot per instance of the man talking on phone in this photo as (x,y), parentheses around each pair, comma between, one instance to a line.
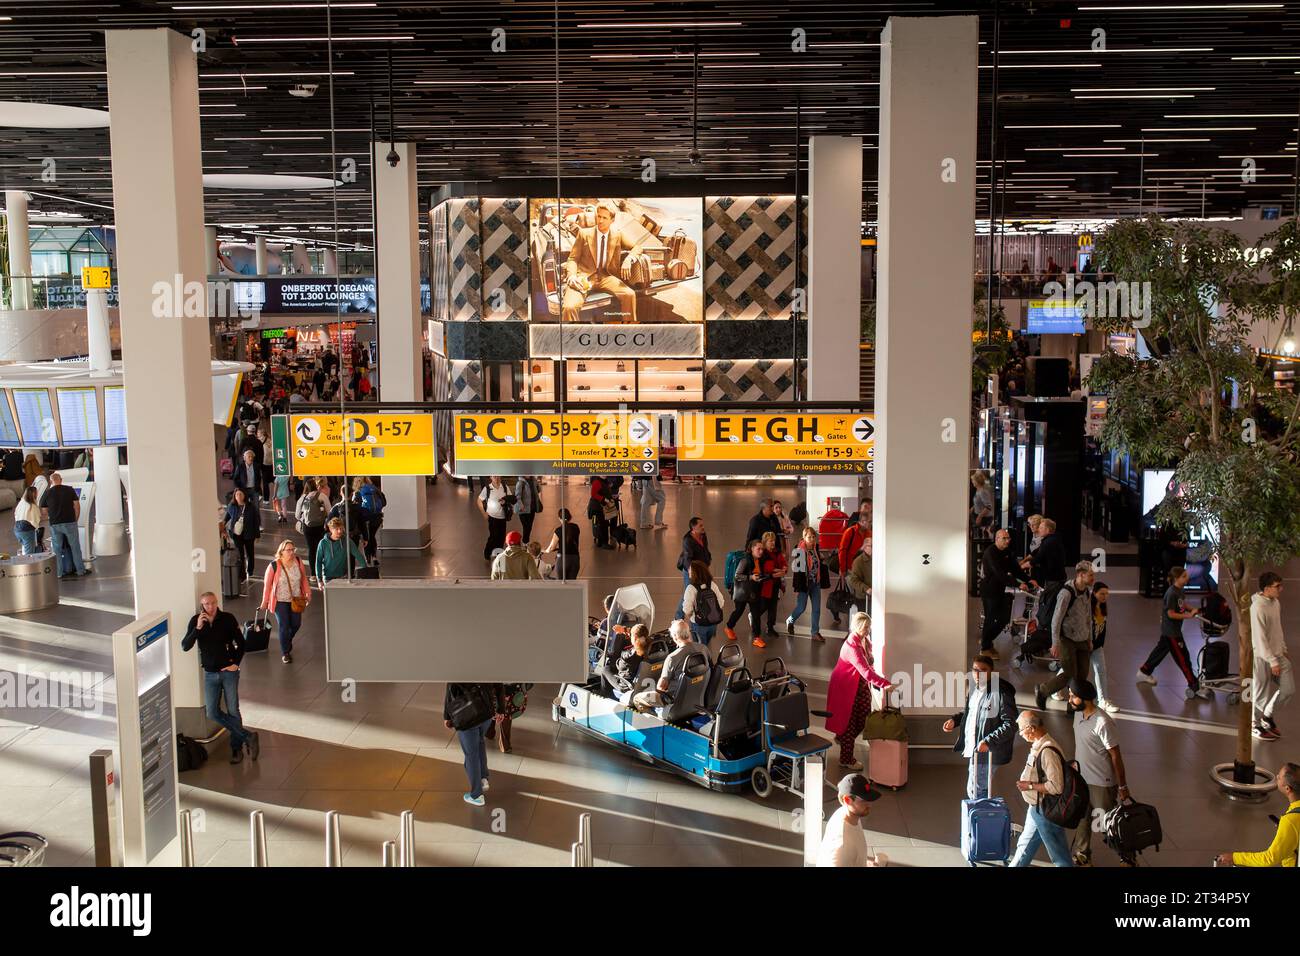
(221,648)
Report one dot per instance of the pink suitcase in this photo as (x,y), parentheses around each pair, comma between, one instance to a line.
(887,763)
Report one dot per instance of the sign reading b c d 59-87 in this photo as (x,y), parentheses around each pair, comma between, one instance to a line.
(825,443)
(573,443)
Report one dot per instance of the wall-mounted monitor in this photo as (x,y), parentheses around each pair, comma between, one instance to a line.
(114,415)
(36,418)
(1052,317)
(9,437)
(79,416)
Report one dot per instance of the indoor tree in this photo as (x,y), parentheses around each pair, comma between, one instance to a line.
(1205,403)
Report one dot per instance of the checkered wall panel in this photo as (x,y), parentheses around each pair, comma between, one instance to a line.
(751,380)
(465,261)
(749,256)
(438,274)
(504,254)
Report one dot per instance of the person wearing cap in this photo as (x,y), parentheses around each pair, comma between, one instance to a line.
(1096,748)
(845,843)
(986,728)
(515,563)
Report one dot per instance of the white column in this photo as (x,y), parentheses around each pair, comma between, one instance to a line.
(211,250)
(20,250)
(331,262)
(834,291)
(109,528)
(397,236)
(928,83)
(259,251)
(158,198)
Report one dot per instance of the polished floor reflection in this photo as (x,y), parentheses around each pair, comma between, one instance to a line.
(388,751)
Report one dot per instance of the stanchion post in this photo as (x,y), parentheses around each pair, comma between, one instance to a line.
(187,838)
(257,837)
(389,853)
(407,848)
(814,772)
(584,838)
(575,855)
(333,842)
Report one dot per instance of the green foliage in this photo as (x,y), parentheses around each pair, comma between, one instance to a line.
(867,322)
(992,351)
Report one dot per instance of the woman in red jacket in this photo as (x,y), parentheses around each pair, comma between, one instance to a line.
(848,696)
(286,592)
(774,571)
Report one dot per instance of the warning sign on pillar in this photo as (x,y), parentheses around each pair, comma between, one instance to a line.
(830,443)
(573,443)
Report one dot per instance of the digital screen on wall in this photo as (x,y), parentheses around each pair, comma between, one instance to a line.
(249,296)
(9,437)
(308,295)
(1047,317)
(1155,485)
(114,415)
(601,260)
(36,418)
(79,416)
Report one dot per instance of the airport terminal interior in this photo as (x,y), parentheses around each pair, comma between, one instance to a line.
(916,272)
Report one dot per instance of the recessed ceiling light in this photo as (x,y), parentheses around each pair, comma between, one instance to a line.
(656,25)
(1267,56)
(1142,89)
(1194,6)
(296,73)
(666,55)
(1198,129)
(1230,115)
(1068,126)
(229,89)
(338,39)
(39,73)
(1154,49)
(1044,66)
(213,7)
(1137,96)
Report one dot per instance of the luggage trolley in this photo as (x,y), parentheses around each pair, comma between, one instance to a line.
(1215,617)
(1024,626)
(786,739)
(21,848)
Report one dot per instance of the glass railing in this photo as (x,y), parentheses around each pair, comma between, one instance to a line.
(46,292)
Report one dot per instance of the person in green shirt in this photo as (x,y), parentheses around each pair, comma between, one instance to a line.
(1282,851)
(332,553)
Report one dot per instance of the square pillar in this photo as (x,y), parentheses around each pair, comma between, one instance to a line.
(158,209)
(397,264)
(929,81)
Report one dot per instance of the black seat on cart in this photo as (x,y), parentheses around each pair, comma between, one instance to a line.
(614,648)
(736,713)
(653,665)
(730,657)
(787,719)
(688,689)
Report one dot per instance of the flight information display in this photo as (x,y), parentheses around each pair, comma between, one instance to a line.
(36,418)
(79,414)
(114,415)
(8,429)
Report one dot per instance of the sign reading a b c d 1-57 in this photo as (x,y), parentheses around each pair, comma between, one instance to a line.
(825,443)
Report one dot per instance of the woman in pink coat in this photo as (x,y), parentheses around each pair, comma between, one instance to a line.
(848,697)
(286,593)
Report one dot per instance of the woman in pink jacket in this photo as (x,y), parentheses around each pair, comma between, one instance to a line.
(848,697)
(286,592)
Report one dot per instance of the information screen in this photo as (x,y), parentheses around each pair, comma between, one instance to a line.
(8,429)
(79,414)
(36,418)
(114,415)
(1051,317)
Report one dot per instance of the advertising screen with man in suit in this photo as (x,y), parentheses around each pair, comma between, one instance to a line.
(616,260)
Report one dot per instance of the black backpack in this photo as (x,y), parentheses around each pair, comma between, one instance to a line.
(708,610)
(190,754)
(468,705)
(1072,804)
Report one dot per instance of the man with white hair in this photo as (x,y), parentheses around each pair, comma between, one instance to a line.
(595,265)
(674,663)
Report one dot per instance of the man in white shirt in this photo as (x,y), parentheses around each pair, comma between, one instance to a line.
(680,632)
(1044,773)
(1273,678)
(845,843)
(1096,748)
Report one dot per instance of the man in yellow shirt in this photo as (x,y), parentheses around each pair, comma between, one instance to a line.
(1282,851)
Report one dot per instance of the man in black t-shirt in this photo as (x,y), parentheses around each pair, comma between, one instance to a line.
(62,506)
(221,649)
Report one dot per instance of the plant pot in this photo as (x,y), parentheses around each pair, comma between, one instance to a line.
(1225,774)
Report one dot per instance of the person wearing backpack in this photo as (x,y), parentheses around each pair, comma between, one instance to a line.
(1044,775)
(702,603)
(1096,749)
(695,547)
(810,576)
(747,594)
(310,514)
(1071,633)
(334,552)
(470,709)
(371,502)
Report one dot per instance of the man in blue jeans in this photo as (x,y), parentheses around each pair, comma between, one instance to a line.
(221,648)
(62,506)
(1044,773)
(473,738)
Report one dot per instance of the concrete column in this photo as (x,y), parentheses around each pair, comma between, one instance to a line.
(301,264)
(928,83)
(397,236)
(331,262)
(20,250)
(834,291)
(158,197)
(211,250)
(259,251)
(109,528)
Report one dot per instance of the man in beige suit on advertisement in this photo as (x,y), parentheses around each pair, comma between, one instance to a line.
(594,264)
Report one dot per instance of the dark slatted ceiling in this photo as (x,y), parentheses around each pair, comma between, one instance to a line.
(1071,148)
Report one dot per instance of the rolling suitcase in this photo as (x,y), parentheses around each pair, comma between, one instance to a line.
(230,576)
(986,828)
(887,740)
(257,633)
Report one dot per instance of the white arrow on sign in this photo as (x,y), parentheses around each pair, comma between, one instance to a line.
(863,429)
(307,430)
(648,467)
(640,429)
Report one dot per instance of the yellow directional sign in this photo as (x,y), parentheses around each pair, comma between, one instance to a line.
(575,443)
(96,277)
(825,443)
(369,444)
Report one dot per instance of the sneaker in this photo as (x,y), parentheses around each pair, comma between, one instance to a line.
(254,745)
(818,639)
(1040,697)
(1205,693)
(88,571)
(1082,860)
(1270,723)
(759,642)
(1260,732)
(646,527)
(661,526)
(1059,695)
(237,756)
(485,784)
(474,801)
(287,659)
(850,766)
(789,627)
(731,635)
(1144,678)
(771,633)
(1108,706)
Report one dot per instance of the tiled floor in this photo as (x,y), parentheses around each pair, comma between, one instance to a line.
(387,751)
